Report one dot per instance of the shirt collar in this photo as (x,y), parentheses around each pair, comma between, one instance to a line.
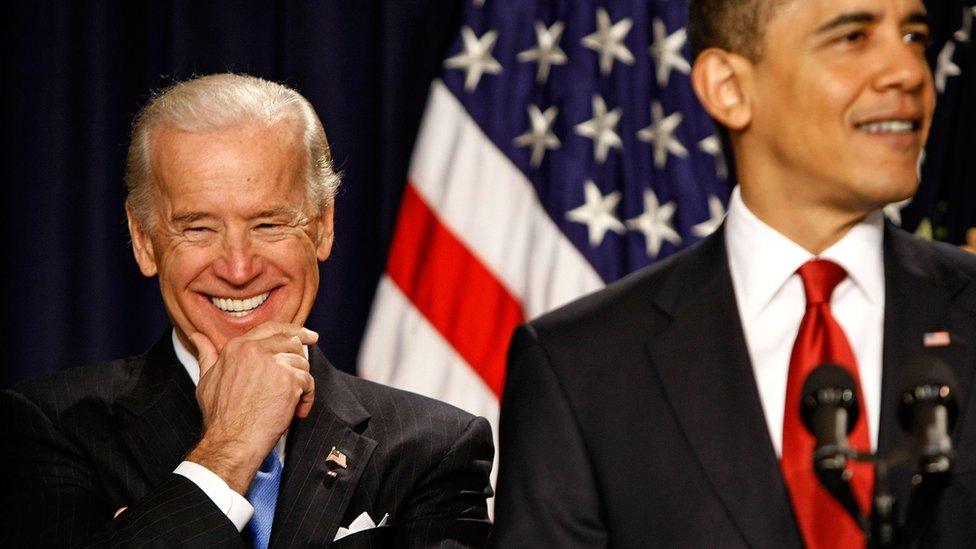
(762,259)
(187,359)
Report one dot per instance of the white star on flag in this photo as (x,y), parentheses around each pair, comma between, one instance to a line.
(476,58)
(601,129)
(945,67)
(666,51)
(713,145)
(547,51)
(716,212)
(608,40)
(965,30)
(597,213)
(655,223)
(539,136)
(661,135)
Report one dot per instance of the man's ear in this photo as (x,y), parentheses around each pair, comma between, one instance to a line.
(323,245)
(142,247)
(721,82)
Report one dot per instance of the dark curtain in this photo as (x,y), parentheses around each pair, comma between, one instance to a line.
(74,73)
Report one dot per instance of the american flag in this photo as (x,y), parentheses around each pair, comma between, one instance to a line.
(561,149)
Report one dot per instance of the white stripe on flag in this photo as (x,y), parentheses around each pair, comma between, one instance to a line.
(401,349)
(492,207)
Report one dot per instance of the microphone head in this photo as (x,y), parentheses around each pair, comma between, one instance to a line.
(927,380)
(829,385)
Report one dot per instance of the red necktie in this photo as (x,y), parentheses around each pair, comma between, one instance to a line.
(822,520)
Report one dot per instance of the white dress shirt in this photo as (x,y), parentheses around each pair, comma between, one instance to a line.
(232,504)
(771,303)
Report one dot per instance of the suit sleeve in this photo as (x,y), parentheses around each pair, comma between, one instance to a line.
(547,496)
(51,495)
(449,508)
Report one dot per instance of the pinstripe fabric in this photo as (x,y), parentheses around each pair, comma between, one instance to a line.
(80,444)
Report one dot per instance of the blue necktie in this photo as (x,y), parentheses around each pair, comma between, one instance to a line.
(263,495)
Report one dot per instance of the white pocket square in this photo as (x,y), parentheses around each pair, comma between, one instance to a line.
(362,522)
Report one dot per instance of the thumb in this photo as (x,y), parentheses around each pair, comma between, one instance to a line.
(206,352)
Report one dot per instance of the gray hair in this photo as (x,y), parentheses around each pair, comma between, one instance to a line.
(217,101)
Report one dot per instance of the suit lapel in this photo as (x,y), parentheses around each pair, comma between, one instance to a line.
(704,367)
(311,502)
(158,416)
(920,292)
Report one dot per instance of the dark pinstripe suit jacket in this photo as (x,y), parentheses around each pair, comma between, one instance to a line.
(78,445)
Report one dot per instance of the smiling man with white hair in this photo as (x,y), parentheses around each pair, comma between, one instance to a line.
(230,205)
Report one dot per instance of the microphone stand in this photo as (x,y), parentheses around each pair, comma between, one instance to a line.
(883,527)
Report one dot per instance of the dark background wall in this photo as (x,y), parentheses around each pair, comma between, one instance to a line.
(74,73)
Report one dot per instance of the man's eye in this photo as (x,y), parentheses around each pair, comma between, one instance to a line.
(854,36)
(265,227)
(197,232)
(917,37)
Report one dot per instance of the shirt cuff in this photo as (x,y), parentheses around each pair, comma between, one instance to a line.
(232,504)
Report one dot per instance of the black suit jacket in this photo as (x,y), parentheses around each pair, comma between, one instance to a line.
(78,445)
(631,418)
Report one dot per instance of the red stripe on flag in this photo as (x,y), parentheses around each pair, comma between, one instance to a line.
(457,294)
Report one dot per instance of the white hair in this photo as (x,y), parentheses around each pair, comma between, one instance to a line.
(218,101)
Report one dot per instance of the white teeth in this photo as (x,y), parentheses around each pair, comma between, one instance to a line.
(239,307)
(890,126)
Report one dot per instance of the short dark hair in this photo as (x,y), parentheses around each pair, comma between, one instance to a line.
(732,25)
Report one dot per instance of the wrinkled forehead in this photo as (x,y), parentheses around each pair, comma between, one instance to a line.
(786,11)
(793,22)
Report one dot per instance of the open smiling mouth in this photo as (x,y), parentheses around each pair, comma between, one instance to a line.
(239,307)
(889,126)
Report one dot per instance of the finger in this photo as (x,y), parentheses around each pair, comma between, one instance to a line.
(290,360)
(268,329)
(304,406)
(272,345)
(206,352)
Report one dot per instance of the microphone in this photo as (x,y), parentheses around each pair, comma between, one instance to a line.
(928,411)
(829,410)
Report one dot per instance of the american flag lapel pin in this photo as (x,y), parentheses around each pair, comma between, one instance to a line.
(335,459)
(936,339)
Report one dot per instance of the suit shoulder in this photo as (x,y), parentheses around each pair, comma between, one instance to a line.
(383,401)
(958,258)
(94,385)
(943,264)
(618,302)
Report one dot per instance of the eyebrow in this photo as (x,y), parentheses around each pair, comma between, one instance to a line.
(187,217)
(279,211)
(863,17)
(918,18)
(182,218)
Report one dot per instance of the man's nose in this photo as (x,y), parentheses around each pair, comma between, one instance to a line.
(238,263)
(903,67)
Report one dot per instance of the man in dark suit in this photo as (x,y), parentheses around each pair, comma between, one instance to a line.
(657,412)
(230,204)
